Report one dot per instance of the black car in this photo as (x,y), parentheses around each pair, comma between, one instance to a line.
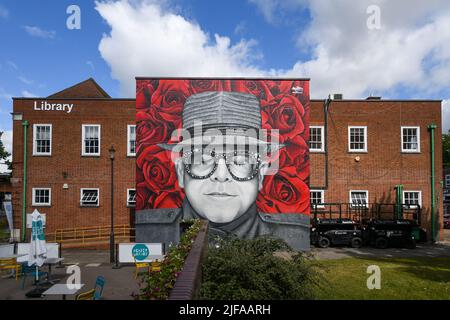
(344,232)
(390,233)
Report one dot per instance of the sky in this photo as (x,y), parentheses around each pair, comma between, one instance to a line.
(394,49)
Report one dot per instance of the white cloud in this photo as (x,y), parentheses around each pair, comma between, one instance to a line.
(7,143)
(411,50)
(145,40)
(91,65)
(40,33)
(12,65)
(25,80)
(446,115)
(27,94)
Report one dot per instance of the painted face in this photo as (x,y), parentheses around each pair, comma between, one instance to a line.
(220,197)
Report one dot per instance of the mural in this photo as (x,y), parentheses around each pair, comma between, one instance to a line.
(232,151)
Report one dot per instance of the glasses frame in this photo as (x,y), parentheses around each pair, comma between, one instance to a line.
(217,157)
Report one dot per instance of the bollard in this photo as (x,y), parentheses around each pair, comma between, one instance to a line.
(116,257)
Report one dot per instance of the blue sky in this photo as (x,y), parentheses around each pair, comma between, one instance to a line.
(406,56)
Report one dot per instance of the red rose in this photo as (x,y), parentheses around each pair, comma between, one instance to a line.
(157,168)
(169,99)
(203,85)
(142,197)
(151,128)
(284,192)
(255,87)
(144,91)
(278,87)
(286,116)
(167,200)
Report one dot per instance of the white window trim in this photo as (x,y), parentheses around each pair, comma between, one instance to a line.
(351,201)
(365,139)
(99,140)
(418,140)
(447,180)
(322,197)
(129,153)
(90,206)
(420,198)
(128,196)
(35,204)
(321,137)
(35,152)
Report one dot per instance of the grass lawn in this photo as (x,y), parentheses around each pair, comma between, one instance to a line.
(405,278)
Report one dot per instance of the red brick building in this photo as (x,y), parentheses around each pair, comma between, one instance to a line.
(371,146)
(68,163)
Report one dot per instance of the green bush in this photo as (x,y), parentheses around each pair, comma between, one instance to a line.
(248,270)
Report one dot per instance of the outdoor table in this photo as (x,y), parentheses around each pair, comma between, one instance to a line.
(62,289)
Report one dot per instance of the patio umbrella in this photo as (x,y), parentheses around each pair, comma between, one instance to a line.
(38,250)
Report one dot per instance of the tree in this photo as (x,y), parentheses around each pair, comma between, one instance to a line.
(4,154)
(446,148)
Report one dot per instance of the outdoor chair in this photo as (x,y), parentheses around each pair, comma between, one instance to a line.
(10,264)
(93,294)
(88,295)
(31,271)
(140,265)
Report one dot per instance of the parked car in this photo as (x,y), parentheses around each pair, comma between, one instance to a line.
(326,232)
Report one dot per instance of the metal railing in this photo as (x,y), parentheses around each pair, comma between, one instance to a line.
(91,234)
(363,212)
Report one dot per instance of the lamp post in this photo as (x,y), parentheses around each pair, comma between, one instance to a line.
(112,152)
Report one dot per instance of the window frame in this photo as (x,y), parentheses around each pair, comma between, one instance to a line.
(365,139)
(322,138)
(356,205)
(322,197)
(83,153)
(132,205)
(90,205)
(129,153)
(33,197)
(35,152)
(410,191)
(447,181)
(418,139)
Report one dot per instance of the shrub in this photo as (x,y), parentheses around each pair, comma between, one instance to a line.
(248,270)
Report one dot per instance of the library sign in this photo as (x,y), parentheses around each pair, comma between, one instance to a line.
(46,106)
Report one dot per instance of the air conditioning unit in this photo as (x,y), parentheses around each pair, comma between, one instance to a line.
(336,96)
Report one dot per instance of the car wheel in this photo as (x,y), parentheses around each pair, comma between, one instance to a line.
(323,242)
(381,243)
(356,242)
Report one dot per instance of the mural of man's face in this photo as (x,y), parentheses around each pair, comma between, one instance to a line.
(220,198)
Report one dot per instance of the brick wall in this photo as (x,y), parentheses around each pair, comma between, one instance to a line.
(384,165)
(66,165)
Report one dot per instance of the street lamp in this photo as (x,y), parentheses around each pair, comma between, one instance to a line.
(112,152)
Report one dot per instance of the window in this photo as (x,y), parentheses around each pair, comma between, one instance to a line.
(131,140)
(447,180)
(91,140)
(359,198)
(357,139)
(89,198)
(42,140)
(317,197)
(410,139)
(316,143)
(42,197)
(412,198)
(131,197)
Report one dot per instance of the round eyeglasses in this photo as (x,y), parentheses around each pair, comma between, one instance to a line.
(201,164)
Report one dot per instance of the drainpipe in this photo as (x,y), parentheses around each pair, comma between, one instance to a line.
(431,128)
(24,203)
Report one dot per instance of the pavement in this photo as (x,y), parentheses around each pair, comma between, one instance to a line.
(119,283)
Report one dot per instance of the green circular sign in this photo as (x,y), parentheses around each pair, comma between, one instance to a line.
(140,251)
